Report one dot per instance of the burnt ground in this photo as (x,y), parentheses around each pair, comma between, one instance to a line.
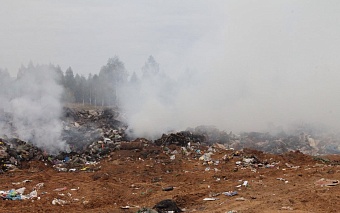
(136,178)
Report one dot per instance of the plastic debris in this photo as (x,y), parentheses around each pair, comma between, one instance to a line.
(230,193)
(18,194)
(61,202)
(210,199)
(326,182)
(60,189)
(240,199)
(39,185)
(169,188)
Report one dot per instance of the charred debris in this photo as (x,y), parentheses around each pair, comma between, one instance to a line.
(95,133)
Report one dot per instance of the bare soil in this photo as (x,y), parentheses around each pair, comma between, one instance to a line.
(136,179)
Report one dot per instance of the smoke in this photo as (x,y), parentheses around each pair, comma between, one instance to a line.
(32,100)
(257,72)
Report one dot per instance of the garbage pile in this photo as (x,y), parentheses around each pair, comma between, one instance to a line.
(13,152)
(282,143)
(90,134)
(311,144)
(83,127)
(94,133)
(182,138)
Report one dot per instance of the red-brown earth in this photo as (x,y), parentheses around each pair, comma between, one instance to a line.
(136,179)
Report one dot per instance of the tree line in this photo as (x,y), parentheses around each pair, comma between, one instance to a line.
(100,89)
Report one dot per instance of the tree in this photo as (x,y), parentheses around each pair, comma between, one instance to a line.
(80,88)
(69,84)
(150,68)
(111,76)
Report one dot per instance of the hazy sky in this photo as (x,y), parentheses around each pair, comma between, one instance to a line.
(262,61)
(84,34)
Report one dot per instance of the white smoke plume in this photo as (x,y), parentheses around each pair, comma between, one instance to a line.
(260,85)
(35,107)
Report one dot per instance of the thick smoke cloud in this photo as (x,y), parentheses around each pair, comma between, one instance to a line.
(238,65)
(32,101)
(241,78)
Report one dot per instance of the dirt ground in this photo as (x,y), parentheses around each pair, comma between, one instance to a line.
(135,179)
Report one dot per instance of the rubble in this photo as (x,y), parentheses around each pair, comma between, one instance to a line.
(94,133)
(97,135)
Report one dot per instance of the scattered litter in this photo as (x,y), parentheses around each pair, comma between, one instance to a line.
(210,199)
(326,182)
(287,208)
(230,193)
(282,179)
(240,199)
(206,157)
(39,185)
(61,202)
(18,194)
(60,189)
(170,188)
(24,181)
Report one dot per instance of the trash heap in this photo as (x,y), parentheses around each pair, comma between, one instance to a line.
(307,140)
(182,138)
(82,128)
(94,133)
(90,134)
(14,152)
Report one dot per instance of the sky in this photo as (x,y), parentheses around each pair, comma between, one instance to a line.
(254,62)
(84,34)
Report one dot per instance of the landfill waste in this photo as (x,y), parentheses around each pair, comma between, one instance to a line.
(18,194)
(282,179)
(326,182)
(287,208)
(147,210)
(230,193)
(183,138)
(210,199)
(167,206)
(206,157)
(61,202)
(97,136)
(240,199)
(60,189)
(93,134)
(170,188)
